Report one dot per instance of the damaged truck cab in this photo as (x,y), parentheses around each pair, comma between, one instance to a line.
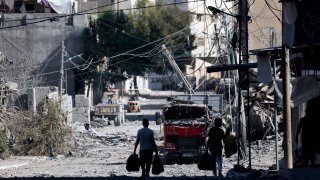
(185,130)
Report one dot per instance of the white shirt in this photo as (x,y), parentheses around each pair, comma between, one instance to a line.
(145,135)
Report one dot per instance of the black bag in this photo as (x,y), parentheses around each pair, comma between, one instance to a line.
(157,166)
(205,162)
(230,146)
(133,163)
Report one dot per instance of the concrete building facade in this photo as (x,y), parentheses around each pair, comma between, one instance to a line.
(265,29)
(32,43)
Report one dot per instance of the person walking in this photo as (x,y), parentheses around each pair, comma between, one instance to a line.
(145,137)
(215,145)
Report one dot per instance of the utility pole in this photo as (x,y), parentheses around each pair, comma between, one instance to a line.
(275,117)
(243,30)
(287,108)
(176,68)
(286,100)
(243,58)
(62,68)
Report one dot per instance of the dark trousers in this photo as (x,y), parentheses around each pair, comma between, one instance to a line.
(145,160)
(308,153)
(216,154)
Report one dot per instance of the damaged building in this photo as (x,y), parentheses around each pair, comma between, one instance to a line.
(33,48)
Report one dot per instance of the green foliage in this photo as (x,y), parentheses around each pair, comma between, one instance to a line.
(161,22)
(43,134)
(3,144)
(115,33)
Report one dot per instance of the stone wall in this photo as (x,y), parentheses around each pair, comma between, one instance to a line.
(39,95)
(81,111)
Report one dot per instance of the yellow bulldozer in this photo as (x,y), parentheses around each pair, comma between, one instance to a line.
(133,102)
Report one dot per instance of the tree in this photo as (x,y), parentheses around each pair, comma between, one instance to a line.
(114,33)
(104,38)
(158,22)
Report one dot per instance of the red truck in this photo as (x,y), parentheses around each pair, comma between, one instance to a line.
(185,129)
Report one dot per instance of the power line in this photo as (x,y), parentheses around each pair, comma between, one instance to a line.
(259,28)
(229,9)
(124,53)
(140,55)
(185,12)
(122,31)
(251,4)
(171,35)
(79,67)
(78,13)
(75,14)
(271,9)
(79,74)
(43,74)
(104,23)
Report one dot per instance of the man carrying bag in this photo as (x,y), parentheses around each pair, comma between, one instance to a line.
(145,137)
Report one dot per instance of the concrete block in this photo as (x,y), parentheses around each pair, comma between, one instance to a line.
(81,114)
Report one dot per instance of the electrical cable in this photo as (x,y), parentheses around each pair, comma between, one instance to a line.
(80,67)
(262,13)
(228,8)
(111,4)
(79,74)
(272,6)
(13,44)
(122,31)
(91,61)
(125,52)
(102,6)
(71,69)
(251,4)
(53,18)
(48,61)
(272,11)
(260,29)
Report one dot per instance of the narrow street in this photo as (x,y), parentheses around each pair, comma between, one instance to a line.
(234,82)
(102,152)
